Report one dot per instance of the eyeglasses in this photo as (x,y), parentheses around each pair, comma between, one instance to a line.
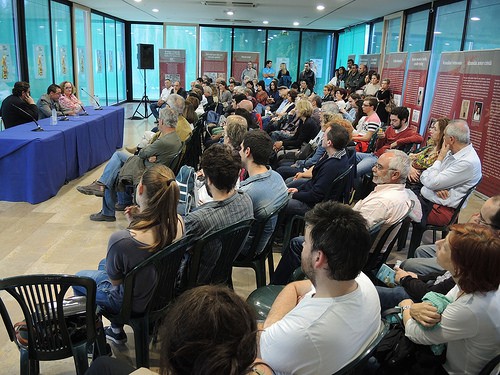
(380,167)
(483,222)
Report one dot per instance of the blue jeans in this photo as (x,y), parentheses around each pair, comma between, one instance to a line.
(365,163)
(154,109)
(108,178)
(290,260)
(104,296)
(390,297)
(280,135)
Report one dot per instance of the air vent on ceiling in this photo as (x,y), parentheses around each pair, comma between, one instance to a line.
(235,4)
(231,21)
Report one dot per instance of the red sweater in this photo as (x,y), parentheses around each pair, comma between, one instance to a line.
(409,135)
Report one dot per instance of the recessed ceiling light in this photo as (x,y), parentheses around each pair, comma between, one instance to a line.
(155,10)
(475,19)
(296,23)
(265,22)
(230,13)
(320,7)
(137,1)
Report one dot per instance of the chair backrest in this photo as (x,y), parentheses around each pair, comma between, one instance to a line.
(41,300)
(166,264)
(372,143)
(377,258)
(339,188)
(176,159)
(194,146)
(454,217)
(259,226)
(360,361)
(227,242)
(490,366)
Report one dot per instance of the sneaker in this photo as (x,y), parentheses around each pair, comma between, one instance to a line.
(100,217)
(118,338)
(95,188)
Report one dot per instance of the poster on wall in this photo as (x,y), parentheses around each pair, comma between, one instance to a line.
(317,67)
(98,61)
(6,62)
(214,64)
(371,61)
(240,61)
(111,61)
(394,69)
(81,60)
(41,67)
(63,61)
(467,87)
(173,65)
(416,79)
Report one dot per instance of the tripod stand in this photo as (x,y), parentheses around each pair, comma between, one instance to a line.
(144,100)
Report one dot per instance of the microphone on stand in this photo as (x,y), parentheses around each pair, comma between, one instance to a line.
(65,117)
(94,99)
(38,127)
(84,111)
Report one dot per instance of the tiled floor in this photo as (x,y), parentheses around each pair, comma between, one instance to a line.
(57,236)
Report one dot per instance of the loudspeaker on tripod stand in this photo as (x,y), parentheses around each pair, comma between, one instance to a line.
(145,56)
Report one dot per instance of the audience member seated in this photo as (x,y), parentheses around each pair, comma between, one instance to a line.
(425,256)
(208,330)
(328,93)
(303,89)
(468,323)
(353,108)
(307,128)
(373,86)
(225,96)
(397,136)
(426,156)
(189,113)
(367,126)
(264,186)
(68,100)
(221,167)
(162,148)
(271,123)
(387,204)
(273,92)
(179,90)
(18,108)
(456,169)
(352,81)
(50,101)
(340,96)
(162,102)
(333,164)
(317,326)
(153,224)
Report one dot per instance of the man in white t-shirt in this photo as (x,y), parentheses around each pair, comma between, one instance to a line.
(162,102)
(318,326)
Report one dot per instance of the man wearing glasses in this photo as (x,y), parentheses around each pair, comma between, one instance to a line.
(425,255)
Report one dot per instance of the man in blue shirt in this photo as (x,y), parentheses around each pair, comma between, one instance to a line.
(268,73)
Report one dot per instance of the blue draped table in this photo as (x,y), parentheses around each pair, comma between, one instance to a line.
(34,165)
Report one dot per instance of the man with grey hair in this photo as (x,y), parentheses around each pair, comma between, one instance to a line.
(123,168)
(387,204)
(177,103)
(456,169)
(163,99)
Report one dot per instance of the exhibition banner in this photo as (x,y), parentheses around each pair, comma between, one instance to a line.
(372,61)
(416,79)
(173,65)
(214,64)
(394,69)
(466,86)
(240,61)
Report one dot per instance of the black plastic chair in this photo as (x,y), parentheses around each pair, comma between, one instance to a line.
(418,231)
(258,262)
(228,242)
(376,257)
(490,366)
(175,162)
(357,365)
(166,264)
(41,300)
(194,146)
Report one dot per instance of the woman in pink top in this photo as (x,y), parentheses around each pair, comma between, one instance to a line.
(68,101)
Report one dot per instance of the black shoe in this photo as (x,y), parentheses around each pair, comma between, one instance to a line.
(121,207)
(118,338)
(100,217)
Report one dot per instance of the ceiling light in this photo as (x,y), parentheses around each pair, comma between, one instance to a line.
(296,23)
(437,32)
(265,22)
(320,7)
(155,10)
(137,1)
(230,13)
(475,19)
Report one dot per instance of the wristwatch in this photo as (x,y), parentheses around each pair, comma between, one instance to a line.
(403,308)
